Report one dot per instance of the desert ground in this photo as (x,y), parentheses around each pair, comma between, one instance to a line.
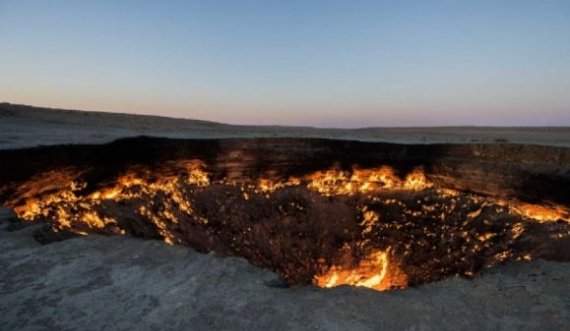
(25,126)
(120,283)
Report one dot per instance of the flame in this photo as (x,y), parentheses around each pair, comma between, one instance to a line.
(160,196)
(374,271)
(265,185)
(541,213)
(57,194)
(337,182)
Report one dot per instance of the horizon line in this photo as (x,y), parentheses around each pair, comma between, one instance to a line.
(280,125)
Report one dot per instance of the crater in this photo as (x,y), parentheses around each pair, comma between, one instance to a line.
(322,212)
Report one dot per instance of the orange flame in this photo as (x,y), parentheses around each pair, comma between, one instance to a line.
(374,271)
(336,182)
(57,195)
(541,213)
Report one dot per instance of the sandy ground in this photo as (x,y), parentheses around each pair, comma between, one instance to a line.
(24,126)
(119,283)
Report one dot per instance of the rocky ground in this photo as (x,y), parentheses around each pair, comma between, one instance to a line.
(121,283)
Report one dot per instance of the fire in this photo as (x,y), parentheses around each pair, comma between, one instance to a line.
(57,194)
(337,182)
(267,185)
(541,213)
(163,198)
(374,271)
(34,197)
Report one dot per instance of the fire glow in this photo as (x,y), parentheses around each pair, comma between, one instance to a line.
(362,227)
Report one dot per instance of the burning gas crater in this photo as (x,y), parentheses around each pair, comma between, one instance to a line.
(361,227)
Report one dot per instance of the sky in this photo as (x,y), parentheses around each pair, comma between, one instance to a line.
(324,63)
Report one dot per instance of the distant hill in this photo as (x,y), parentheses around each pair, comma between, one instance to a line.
(79,117)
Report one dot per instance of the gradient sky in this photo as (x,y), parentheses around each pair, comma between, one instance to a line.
(292,62)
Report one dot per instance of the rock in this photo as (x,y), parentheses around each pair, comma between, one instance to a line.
(45,235)
(93,283)
(7,219)
(277,282)
(6,215)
